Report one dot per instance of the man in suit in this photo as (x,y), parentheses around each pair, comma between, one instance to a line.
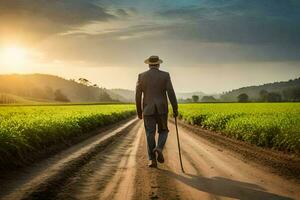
(152,89)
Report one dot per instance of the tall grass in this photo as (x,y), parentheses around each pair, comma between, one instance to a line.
(275,125)
(25,129)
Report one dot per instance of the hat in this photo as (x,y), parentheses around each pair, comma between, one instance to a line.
(153,60)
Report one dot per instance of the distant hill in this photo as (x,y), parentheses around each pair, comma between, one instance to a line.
(128,95)
(49,87)
(16,88)
(188,95)
(123,94)
(284,88)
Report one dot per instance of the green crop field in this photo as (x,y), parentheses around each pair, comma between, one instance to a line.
(274,125)
(25,129)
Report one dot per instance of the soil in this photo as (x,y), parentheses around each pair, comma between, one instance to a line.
(113,165)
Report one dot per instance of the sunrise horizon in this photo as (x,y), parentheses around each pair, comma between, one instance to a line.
(208,46)
(133,87)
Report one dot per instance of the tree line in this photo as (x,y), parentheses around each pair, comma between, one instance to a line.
(6,99)
(270,92)
(288,95)
(196,98)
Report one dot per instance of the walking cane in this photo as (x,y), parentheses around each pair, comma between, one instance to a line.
(178,145)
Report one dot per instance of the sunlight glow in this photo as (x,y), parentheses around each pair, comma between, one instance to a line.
(13,56)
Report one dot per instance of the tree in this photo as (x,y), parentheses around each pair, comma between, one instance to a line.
(208,99)
(195,98)
(104,96)
(291,94)
(84,81)
(188,100)
(263,95)
(243,97)
(59,96)
(296,94)
(274,97)
(6,99)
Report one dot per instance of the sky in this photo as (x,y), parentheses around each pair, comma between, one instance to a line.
(207,45)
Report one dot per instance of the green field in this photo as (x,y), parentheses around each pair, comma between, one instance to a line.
(274,125)
(25,129)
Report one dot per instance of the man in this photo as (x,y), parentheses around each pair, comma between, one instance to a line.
(154,85)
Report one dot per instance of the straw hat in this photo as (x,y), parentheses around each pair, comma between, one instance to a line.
(153,60)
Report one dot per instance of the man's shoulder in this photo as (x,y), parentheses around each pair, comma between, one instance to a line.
(164,73)
(142,73)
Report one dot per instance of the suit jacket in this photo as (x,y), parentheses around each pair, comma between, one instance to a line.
(154,85)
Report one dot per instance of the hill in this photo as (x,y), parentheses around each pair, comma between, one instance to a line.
(123,94)
(13,99)
(128,95)
(50,88)
(188,95)
(288,91)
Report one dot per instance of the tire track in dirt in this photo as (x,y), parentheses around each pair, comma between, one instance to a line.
(45,179)
(281,163)
(213,173)
(109,175)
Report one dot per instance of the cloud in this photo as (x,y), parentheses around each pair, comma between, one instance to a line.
(206,30)
(245,22)
(122,13)
(133,10)
(41,18)
(150,30)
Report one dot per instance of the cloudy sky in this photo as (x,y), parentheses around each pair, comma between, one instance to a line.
(206,45)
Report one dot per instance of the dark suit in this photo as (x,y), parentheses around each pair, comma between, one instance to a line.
(154,85)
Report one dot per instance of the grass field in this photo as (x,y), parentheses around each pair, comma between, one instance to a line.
(25,129)
(274,125)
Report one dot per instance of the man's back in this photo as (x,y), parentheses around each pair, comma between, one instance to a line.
(155,84)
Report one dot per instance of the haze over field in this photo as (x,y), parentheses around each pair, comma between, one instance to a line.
(208,45)
(76,124)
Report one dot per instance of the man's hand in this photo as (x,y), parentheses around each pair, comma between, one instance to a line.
(175,113)
(140,116)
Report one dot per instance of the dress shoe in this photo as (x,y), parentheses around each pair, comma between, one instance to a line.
(160,156)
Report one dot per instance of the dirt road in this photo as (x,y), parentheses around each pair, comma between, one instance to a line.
(116,169)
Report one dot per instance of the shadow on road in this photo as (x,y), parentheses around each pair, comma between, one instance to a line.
(225,187)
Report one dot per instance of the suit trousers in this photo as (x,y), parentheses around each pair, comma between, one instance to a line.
(151,122)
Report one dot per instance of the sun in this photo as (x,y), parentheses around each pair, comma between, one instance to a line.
(13,56)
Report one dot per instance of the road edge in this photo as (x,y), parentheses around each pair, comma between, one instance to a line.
(46,188)
(280,163)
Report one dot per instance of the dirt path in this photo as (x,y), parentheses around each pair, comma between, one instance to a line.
(109,175)
(118,170)
(214,173)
